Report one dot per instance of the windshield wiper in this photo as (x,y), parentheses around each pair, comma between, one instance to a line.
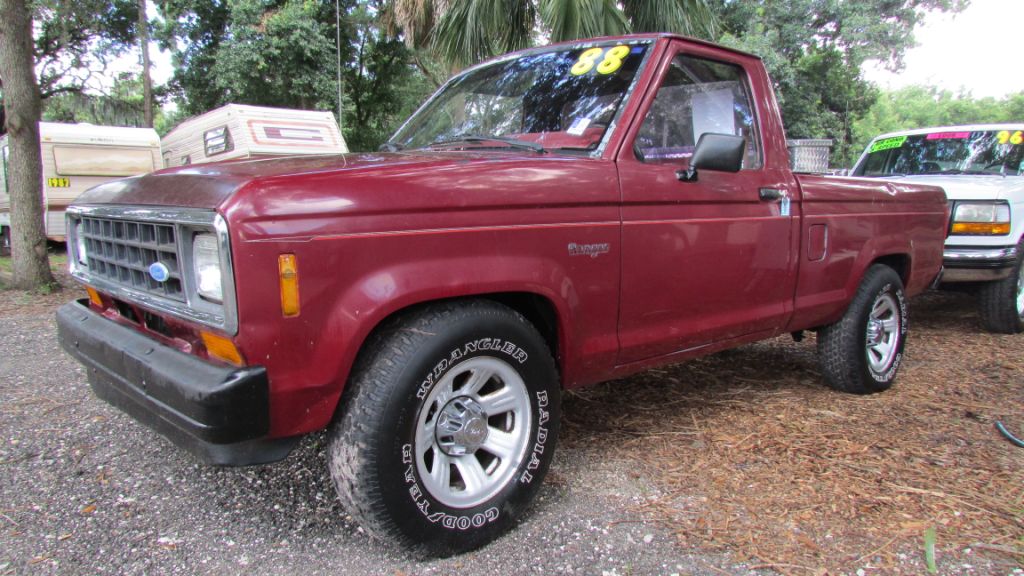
(473,138)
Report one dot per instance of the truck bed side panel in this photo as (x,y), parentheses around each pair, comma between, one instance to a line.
(849,223)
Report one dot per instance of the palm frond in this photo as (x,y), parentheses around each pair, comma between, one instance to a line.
(571,19)
(414,19)
(471,30)
(690,17)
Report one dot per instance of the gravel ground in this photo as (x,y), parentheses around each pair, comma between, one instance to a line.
(86,490)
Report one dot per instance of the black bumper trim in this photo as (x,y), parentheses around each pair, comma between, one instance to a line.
(218,413)
(979,264)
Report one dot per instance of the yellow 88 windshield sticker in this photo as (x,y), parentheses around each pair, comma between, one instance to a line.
(1007,137)
(611,61)
(585,63)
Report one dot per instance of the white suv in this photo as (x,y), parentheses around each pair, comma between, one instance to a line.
(981,169)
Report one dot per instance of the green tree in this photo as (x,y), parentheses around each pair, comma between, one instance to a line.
(814,50)
(275,55)
(282,53)
(462,32)
(49,47)
(382,87)
(122,104)
(192,30)
(925,106)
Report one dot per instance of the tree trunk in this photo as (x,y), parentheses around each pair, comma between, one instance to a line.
(147,80)
(30,263)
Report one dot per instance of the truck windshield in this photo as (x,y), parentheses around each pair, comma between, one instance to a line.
(562,98)
(957,152)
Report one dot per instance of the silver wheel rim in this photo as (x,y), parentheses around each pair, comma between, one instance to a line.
(1020,292)
(472,432)
(883,333)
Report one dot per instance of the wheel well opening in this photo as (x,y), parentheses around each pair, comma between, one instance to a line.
(538,311)
(898,262)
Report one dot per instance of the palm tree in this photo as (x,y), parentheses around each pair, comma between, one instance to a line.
(460,32)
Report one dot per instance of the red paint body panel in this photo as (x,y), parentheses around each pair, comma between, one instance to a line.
(680,269)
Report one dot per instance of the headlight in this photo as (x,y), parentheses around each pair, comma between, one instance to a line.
(80,251)
(206,264)
(981,219)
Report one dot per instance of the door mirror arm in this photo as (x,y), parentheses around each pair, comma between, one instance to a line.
(687,174)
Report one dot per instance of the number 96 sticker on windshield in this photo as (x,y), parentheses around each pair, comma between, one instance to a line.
(1007,137)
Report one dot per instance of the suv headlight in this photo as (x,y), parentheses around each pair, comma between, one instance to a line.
(206,265)
(981,219)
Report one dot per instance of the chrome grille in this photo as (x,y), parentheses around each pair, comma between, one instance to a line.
(122,251)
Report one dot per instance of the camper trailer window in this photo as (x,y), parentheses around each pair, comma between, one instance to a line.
(218,141)
(102,160)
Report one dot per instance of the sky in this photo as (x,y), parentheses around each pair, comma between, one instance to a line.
(977,50)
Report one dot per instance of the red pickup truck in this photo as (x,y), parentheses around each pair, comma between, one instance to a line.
(548,219)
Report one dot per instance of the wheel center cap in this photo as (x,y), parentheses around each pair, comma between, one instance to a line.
(461,426)
(875,332)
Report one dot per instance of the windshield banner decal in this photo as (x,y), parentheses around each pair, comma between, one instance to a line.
(887,144)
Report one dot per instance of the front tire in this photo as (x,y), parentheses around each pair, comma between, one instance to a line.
(449,425)
(1001,303)
(862,352)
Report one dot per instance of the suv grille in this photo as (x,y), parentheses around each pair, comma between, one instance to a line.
(122,251)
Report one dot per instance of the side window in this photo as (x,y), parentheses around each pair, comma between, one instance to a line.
(218,141)
(698,96)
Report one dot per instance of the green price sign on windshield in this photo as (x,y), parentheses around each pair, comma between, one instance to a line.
(887,144)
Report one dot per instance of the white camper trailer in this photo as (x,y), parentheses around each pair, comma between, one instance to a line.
(77,157)
(240,131)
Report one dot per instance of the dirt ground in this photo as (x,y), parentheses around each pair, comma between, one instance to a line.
(743,461)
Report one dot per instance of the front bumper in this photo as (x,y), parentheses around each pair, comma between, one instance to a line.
(220,414)
(978,263)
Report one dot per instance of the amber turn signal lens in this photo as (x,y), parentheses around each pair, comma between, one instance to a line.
(288,270)
(94,297)
(221,348)
(982,228)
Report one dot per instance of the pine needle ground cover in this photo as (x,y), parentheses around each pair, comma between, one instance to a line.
(753,456)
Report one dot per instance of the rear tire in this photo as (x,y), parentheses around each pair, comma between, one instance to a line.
(448,426)
(1001,303)
(862,352)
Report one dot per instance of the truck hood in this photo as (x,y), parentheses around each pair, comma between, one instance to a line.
(306,197)
(972,187)
(211,185)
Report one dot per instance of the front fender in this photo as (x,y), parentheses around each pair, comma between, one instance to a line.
(349,285)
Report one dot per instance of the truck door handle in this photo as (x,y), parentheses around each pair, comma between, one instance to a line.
(770,194)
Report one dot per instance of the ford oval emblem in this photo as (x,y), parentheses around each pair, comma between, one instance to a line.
(159,272)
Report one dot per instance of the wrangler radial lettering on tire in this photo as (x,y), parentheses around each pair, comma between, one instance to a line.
(449,425)
(862,352)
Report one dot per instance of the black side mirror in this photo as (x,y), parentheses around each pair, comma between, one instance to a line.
(719,152)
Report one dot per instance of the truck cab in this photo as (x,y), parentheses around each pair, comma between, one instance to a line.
(981,168)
